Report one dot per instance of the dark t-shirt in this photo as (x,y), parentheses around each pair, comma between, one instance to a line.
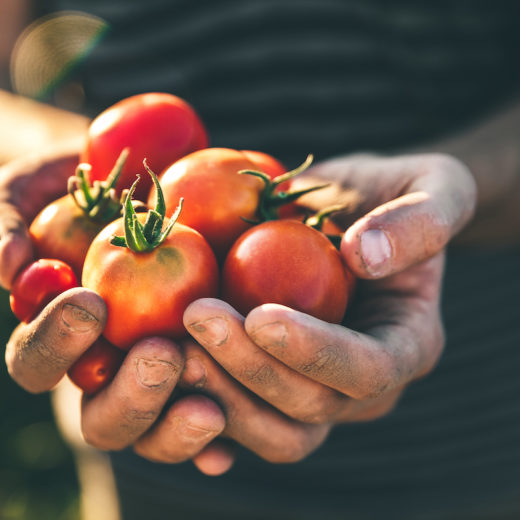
(331,77)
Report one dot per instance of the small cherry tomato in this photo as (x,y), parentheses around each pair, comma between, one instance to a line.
(156,126)
(38,284)
(96,367)
(290,263)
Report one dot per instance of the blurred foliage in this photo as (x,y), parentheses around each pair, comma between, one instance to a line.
(37,474)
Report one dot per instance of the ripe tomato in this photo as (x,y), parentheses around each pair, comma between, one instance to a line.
(150,277)
(65,228)
(286,262)
(155,126)
(217,197)
(61,230)
(96,367)
(38,284)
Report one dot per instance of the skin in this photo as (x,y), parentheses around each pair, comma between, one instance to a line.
(427,196)
(352,373)
(276,370)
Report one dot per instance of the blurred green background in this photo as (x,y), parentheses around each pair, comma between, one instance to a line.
(37,474)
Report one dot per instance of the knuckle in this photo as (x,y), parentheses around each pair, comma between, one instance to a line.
(371,388)
(459,176)
(328,359)
(262,376)
(318,410)
(38,352)
(117,436)
(34,364)
(34,349)
(134,421)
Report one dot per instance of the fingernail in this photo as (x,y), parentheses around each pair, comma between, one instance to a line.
(77,319)
(190,431)
(376,251)
(270,335)
(194,373)
(213,331)
(154,372)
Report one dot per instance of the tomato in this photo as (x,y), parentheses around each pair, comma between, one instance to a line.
(221,203)
(39,283)
(290,263)
(61,230)
(65,228)
(217,198)
(155,126)
(148,277)
(265,162)
(96,367)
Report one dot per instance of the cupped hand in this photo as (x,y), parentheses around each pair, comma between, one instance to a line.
(294,377)
(135,409)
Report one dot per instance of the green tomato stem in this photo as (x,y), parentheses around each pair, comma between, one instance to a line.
(97,200)
(270,199)
(144,238)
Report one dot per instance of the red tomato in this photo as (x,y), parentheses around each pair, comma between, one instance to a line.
(146,293)
(65,228)
(217,198)
(286,262)
(266,163)
(38,284)
(62,230)
(96,367)
(158,127)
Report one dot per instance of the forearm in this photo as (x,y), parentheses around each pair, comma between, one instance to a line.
(30,128)
(491,150)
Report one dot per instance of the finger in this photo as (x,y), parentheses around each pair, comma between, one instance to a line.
(187,427)
(117,416)
(363,366)
(15,244)
(27,184)
(220,330)
(370,409)
(399,211)
(39,353)
(250,421)
(30,183)
(215,459)
(432,208)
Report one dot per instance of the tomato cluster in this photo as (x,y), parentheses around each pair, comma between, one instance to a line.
(212,228)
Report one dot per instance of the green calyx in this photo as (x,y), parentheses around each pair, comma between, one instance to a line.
(97,200)
(317,220)
(142,238)
(270,199)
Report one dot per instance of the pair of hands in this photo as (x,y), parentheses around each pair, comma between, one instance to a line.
(277,380)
